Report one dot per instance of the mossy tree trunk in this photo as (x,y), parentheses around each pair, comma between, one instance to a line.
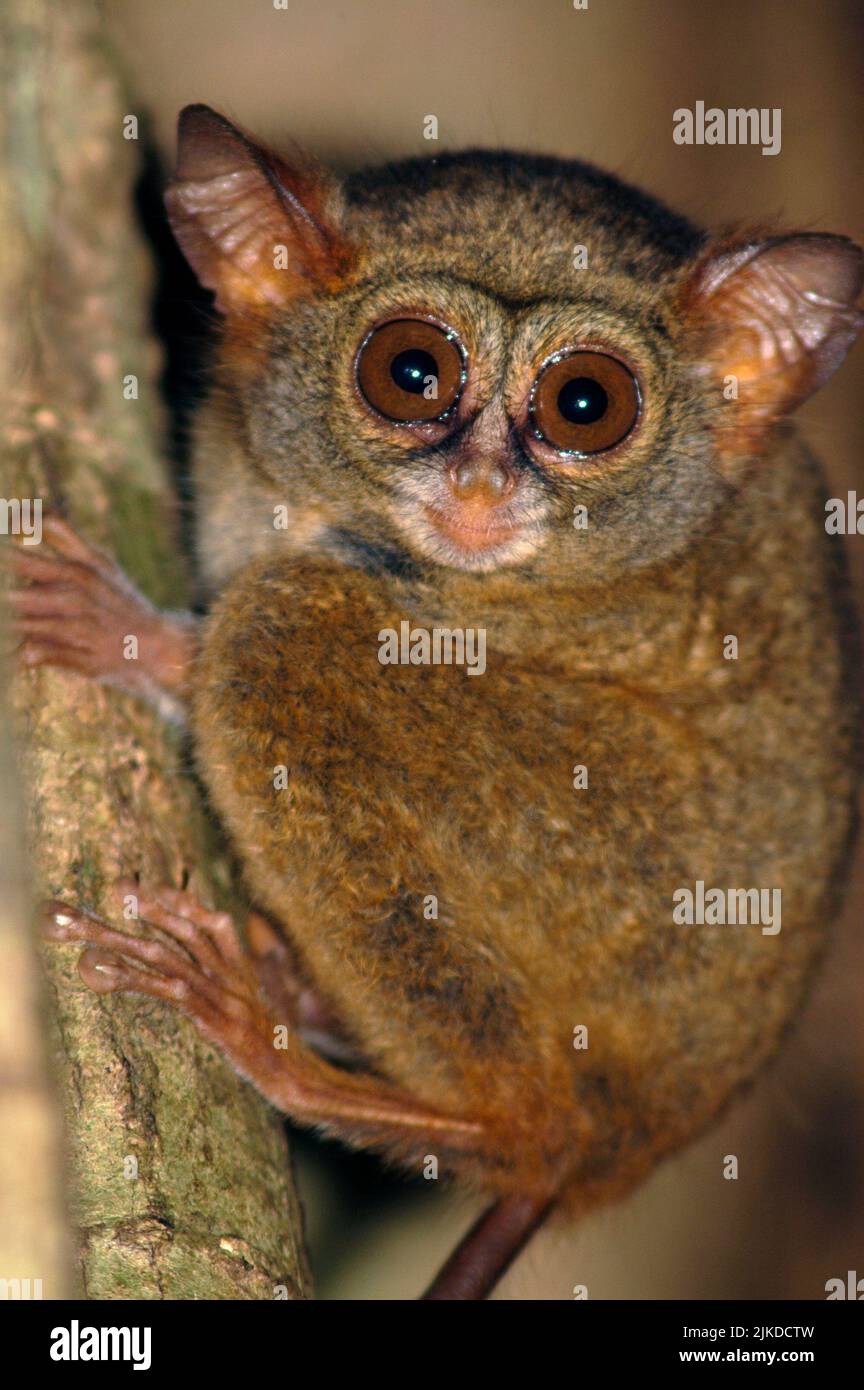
(180,1183)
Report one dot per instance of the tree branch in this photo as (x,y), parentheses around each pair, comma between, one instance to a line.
(182,1186)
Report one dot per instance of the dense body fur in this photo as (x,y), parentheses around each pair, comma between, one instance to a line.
(603,480)
(604,649)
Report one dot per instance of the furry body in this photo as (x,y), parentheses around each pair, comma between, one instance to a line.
(605,648)
(478,874)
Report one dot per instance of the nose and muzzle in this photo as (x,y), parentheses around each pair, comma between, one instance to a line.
(481,482)
(476,512)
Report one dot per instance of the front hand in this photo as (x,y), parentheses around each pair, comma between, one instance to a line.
(78,610)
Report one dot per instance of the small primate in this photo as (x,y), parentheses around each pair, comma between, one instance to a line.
(499,396)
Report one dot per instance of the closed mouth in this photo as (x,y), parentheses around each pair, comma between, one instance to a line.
(468,537)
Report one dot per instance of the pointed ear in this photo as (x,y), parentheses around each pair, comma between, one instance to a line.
(776,318)
(256,229)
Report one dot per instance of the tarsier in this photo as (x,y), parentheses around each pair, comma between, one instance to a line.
(506,394)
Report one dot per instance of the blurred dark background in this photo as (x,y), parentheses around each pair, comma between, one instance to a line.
(353,81)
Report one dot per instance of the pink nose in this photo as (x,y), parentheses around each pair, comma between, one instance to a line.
(482,480)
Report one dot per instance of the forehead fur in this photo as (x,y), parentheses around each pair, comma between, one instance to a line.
(513,221)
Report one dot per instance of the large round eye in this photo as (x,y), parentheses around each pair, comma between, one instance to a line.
(584,402)
(410,370)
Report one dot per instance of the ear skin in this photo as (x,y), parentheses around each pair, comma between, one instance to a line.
(233,205)
(778,314)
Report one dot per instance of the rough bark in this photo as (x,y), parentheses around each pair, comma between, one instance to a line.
(34,1249)
(212,1212)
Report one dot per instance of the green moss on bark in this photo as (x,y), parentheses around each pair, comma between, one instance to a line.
(207,1209)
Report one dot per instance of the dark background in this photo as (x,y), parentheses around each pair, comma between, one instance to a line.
(353,80)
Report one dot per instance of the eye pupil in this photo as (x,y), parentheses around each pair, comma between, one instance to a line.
(582,401)
(410,369)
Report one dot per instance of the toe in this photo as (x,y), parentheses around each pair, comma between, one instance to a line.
(104,972)
(211,937)
(58,922)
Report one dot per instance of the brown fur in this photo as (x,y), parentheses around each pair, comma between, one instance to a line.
(555,905)
(605,648)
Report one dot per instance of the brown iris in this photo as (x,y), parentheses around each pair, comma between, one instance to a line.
(410,370)
(584,402)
